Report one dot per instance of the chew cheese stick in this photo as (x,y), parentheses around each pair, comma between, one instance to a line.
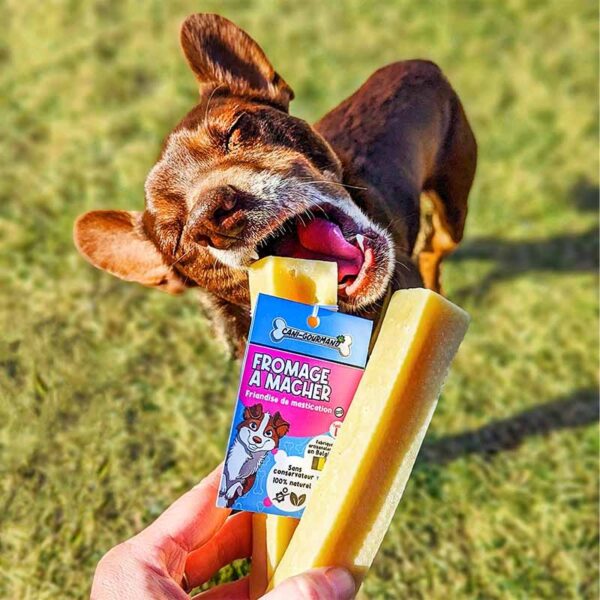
(311,282)
(308,281)
(271,536)
(353,502)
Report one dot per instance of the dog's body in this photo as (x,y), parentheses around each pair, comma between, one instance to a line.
(239,178)
(257,435)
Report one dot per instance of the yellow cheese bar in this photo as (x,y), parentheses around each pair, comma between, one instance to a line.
(353,502)
(259,578)
(308,281)
(311,282)
(271,536)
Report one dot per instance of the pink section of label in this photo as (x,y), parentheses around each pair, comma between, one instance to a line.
(311,394)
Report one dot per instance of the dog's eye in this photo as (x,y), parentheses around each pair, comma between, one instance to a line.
(241,129)
(253,426)
(269,433)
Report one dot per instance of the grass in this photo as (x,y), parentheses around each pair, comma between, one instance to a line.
(106,388)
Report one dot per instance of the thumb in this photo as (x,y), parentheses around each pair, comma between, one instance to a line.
(326,583)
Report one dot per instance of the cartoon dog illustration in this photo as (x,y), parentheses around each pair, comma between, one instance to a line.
(258,434)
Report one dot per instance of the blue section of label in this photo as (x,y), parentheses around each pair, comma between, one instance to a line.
(284,324)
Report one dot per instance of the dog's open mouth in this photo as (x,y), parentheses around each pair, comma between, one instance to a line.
(334,238)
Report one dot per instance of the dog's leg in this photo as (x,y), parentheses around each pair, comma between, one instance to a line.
(223,484)
(248,483)
(437,242)
(448,190)
(234,491)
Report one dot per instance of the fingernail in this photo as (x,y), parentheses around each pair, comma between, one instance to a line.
(342,582)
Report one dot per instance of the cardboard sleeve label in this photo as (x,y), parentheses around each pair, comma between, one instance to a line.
(299,375)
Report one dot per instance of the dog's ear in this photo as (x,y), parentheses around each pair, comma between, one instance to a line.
(281,426)
(219,52)
(114,240)
(253,412)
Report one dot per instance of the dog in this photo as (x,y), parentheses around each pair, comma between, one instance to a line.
(257,435)
(240,178)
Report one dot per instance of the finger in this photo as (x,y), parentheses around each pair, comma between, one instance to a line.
(192,519)
(232,541)
(327,583)
(236,590)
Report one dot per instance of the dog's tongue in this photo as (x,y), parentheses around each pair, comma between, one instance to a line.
(320,239)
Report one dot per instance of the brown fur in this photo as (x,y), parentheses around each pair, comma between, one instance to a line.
(238,166)
(404,133)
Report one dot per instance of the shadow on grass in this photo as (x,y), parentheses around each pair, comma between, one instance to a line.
(585,196)
(563,253)
(569,253)
(577,410)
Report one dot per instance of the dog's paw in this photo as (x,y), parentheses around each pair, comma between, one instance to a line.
(233,491)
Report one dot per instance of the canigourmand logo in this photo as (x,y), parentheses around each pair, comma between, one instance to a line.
(282,330)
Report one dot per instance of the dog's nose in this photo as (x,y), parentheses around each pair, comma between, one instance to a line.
(225,202)
(256,439)
(218,217)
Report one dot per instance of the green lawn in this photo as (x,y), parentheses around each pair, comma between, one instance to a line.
(106,387)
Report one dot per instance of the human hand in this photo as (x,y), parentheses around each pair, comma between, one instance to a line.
(187,545)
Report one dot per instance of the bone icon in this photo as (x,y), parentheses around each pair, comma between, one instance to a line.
(279,325)
(281,330)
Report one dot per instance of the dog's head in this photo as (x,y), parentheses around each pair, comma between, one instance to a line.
(239,178)
(260,431)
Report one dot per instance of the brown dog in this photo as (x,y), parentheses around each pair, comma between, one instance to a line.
(239,178)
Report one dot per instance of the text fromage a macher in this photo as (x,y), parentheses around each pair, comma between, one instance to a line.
(291,377)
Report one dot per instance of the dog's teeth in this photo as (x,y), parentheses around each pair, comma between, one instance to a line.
(254,255)
(360,240)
